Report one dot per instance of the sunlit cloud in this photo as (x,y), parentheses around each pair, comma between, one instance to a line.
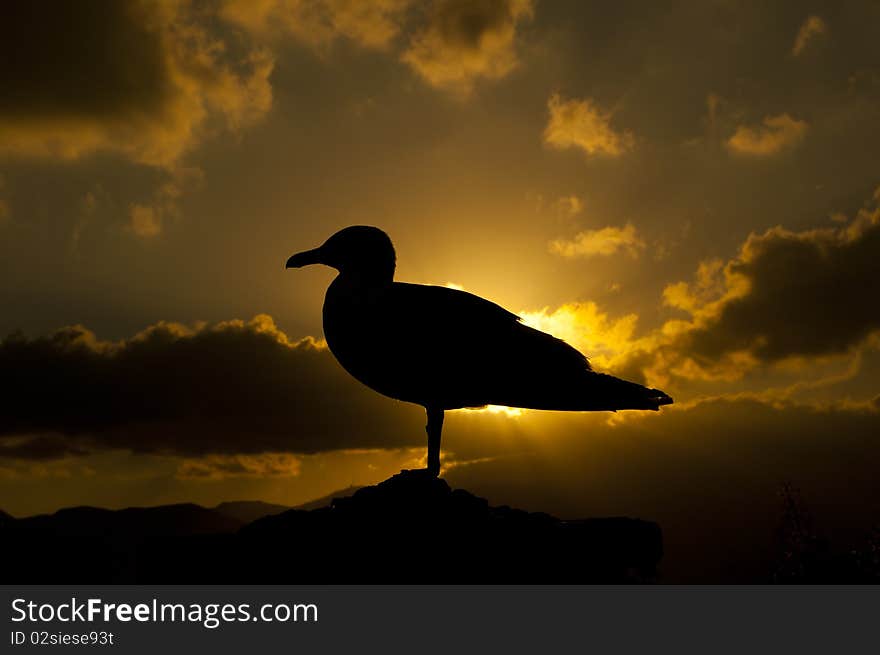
(812,28)
(319,23)
(27,469)
(714,285)
(569,206)
(144,221)
(449,463)
(774,135)
(586,327)
(465,41)
(149,220)
(582,124)
(511,412)
(604,241)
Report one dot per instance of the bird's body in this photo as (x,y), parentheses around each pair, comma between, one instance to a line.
(447,349)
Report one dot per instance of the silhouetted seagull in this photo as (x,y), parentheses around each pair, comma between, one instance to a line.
(448,349)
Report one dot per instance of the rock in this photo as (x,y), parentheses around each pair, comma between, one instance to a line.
(410,529)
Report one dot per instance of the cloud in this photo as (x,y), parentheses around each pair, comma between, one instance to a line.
(319,23)
(585,326)
(776,133)
(168,84)
(143,221)
(604,241)
(811,28)
(222,467)
(450,45)
(582,124)
(569,206)
(787,299)
(22,469)
(790,301)
(789,293)
(38,447)
(465,40)
(225,389)
(148,220)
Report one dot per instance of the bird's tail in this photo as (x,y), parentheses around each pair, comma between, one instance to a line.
(609,393)
(583,391)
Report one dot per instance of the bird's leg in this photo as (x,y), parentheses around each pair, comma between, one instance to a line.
(434,428)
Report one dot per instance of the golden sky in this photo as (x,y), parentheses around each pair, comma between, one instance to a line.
(686,191)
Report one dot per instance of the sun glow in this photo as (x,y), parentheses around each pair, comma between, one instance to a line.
(587,328)
(502,410)
(512,412)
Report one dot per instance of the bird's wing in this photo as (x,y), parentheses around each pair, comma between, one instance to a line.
(450,307)
(470,351)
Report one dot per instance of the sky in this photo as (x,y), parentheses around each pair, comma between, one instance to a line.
(688,192)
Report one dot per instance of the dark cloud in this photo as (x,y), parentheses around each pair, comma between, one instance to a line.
(229,388)
(141,78)
(39,447)
(808,293)
(465,24)
(55,65)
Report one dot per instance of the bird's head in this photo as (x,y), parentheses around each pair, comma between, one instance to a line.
(358,250)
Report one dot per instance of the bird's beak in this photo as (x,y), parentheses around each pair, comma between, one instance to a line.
(301,259)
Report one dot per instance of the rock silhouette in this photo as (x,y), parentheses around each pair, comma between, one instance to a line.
(414,528)
(411,528)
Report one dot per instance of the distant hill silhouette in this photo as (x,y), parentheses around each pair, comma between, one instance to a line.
(326,501)
(249,510)
(411,528)
(166,520)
